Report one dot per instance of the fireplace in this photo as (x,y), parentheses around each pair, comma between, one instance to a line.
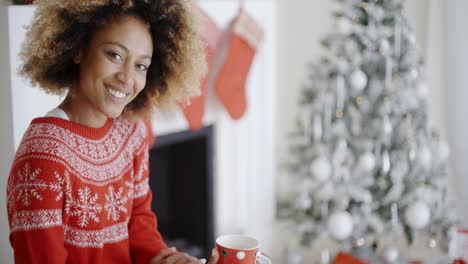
(182,184)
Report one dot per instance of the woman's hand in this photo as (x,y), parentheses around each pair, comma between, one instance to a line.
(171,256)
(214,257)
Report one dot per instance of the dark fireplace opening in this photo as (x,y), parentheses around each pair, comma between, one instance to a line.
(181,179)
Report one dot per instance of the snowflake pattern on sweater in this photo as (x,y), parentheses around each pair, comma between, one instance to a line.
(87,187)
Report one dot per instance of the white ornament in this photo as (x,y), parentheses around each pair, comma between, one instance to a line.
(425,157)
(414,74)
(390,255)
(294,257)
(358,80)
(367,161)
(321,168)
(417,215)
(344,26)
(387,126)
(340,225)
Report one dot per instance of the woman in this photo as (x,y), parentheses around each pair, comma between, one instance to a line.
(78,189)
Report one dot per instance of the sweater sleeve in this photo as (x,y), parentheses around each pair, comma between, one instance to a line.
(35,202)
(145,239)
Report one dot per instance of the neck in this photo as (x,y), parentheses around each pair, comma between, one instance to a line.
(79,111)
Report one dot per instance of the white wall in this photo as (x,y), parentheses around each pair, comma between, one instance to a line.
(18,105)
(300,25)
(457,94)
(6,135)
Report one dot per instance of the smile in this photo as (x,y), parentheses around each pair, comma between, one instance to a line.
(116,93)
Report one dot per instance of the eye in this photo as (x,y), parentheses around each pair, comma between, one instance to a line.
(142,67)
(114,55)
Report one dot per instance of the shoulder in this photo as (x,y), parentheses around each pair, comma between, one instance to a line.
(140,128)
(40,137)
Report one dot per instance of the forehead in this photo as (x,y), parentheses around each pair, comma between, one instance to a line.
(129,31)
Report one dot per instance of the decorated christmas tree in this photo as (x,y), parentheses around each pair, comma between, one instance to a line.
(364,158)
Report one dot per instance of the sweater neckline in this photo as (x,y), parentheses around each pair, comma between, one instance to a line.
(82,130)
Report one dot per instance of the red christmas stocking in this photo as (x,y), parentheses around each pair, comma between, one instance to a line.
(195,109)
(243,38)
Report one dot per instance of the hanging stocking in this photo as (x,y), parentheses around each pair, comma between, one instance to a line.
(243,38)
(195,109)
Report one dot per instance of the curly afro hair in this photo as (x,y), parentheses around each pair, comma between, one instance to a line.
(60,28)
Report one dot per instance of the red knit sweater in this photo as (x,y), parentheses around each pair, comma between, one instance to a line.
(81,195)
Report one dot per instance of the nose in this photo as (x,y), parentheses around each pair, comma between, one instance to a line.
(125,75)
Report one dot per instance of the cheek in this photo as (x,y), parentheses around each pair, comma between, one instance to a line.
(96,69)
(140,84)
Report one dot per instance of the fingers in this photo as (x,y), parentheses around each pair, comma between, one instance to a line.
(192,260)
(181,258)
(163,254)
(214,257)
(171,256)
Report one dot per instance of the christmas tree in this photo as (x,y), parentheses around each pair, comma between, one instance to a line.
(365,157)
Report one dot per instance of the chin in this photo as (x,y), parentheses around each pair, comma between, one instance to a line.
(113,113)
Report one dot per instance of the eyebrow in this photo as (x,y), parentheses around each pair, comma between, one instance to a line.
(125,48)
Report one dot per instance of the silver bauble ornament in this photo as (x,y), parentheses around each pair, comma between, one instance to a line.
(425,157)
(344,26)
(367,161)
(417,215)
(358,80)
(340,225)
(321,168)
(390,255)
(412,38)
(413,74)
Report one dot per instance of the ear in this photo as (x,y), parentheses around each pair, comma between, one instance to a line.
(78,57)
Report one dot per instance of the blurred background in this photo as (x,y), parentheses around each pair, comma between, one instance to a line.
(245,154)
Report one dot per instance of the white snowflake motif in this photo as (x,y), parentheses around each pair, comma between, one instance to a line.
(143,166)
(28,186)
(130,186)
(11,197)
(61,186)
(85,208)
(115,203)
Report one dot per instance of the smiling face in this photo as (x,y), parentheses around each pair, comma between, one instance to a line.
(113,70)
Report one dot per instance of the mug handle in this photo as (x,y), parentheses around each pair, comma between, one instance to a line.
(263,258)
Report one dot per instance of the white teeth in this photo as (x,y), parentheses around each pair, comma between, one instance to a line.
(117,94)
